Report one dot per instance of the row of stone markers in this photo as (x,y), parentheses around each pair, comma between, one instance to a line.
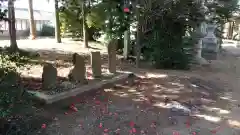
(78,73)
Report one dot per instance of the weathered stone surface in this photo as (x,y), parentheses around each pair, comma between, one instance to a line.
(78,73)
(127,44)
(96,64)
(74,58)
(210,55)
(211,44)
(112,62)
(49,76)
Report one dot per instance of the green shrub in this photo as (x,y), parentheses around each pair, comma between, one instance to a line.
(9,84)
(168,49)
(47,30)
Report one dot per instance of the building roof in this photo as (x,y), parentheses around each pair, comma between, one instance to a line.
(22,13)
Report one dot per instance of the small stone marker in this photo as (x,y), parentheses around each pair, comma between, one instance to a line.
(78,73)
(126,44)
(96,64)
(49,76)
(112,62)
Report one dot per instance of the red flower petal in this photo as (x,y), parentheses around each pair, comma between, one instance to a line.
(100,125)
(73,108)
(97,102)
(78,100)
(105,130)
(117,131)
(175,133)
(43,126)
(214,131)
(134,130)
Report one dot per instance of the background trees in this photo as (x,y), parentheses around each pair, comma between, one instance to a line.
(165,26)
(9,16)
(57,22)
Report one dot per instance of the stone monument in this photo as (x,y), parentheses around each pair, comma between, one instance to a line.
(78,73)
(198,35)
(96,64)
(210,43)
(49,76)
(112,62)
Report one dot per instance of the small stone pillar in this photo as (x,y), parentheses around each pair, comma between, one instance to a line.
(126,48)
(78,73)
(112,62)
(49,76)
(96,64)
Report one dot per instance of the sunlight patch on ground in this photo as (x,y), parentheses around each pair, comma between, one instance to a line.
(174,90)
(207,101)
(138,99)
(194,85)
(169,96)
(151,75)
(209,118)
(157,96)
(162,105)
(234,123)
(132,90)
(121,94)
(218,110)
(159,90)
(138,93)
(228,98)
(157,86)
(176,84)
(122,86)
(109,90)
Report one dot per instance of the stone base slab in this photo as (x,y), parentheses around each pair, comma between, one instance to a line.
(49,99)
(210,55)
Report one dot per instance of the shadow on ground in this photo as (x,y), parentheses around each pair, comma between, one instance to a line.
(138,106)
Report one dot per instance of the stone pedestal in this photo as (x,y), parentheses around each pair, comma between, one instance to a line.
(96,64)
(49,76)
(112,62)
(78,73)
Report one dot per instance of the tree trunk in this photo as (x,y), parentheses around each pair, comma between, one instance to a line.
(12,29)
(57,23)
(32,24)
(137,46)
(85,34)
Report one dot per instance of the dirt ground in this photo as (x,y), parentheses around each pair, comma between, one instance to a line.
(202,101)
